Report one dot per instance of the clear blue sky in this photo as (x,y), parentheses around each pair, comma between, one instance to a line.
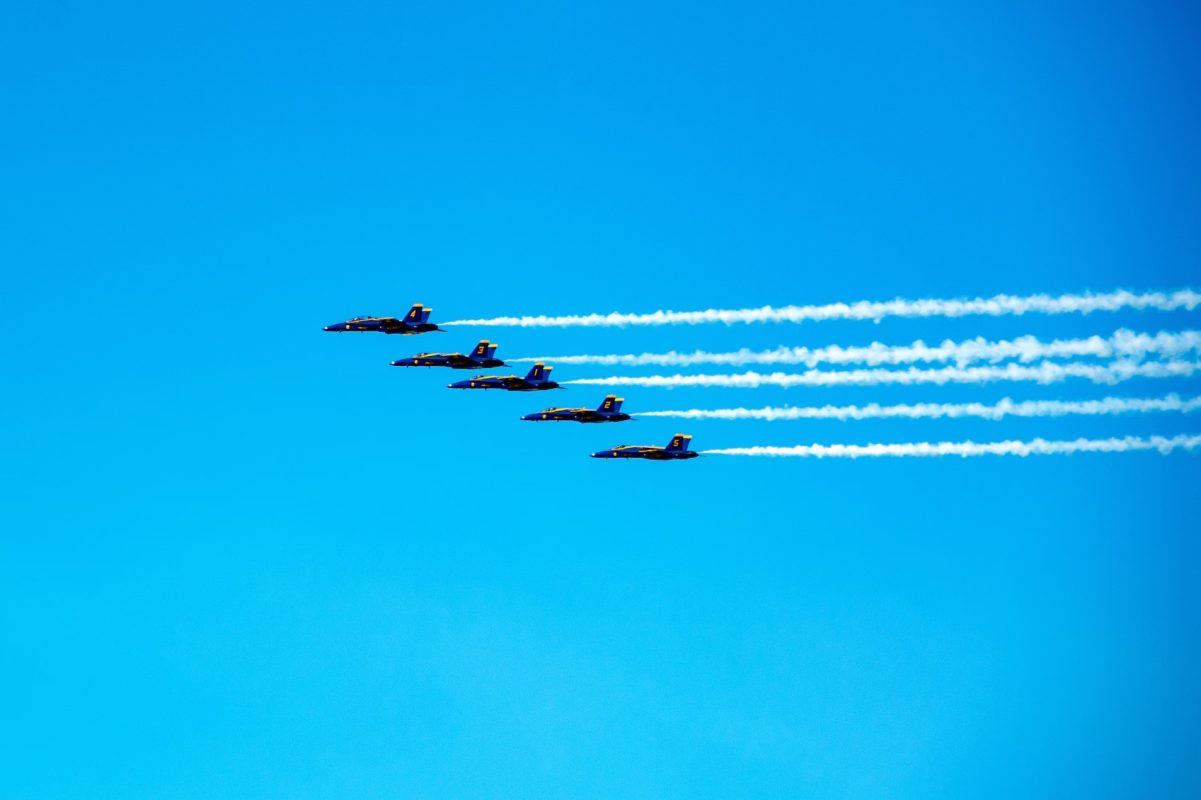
(242,558)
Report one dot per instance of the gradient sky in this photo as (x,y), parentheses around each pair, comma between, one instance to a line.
(242,558)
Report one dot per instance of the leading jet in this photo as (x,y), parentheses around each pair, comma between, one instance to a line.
(608,411)
(416,321)
(537,380)
(676,449)
(479,358)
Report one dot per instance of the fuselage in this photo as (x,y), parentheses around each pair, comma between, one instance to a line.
(585,415)
(510,383)
(452,360)
(381,325)
(645,451)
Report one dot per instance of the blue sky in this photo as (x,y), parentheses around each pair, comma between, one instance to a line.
(243,558)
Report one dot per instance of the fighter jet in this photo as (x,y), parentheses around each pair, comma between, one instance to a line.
(537,380)
(416,321)
(609,411)
(480,358)
(677,448)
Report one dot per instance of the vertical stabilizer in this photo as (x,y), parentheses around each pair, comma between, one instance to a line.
(679,443)
(611,404)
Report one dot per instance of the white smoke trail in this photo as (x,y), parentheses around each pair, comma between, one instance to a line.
(1127,444)
(995,411)
(999,305)
(1045,373)
(1122,344)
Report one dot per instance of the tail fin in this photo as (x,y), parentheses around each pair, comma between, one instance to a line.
(491,350)
(611,405)
(539,373)
(482,350)
(417,314)
(425,314)
(679,443)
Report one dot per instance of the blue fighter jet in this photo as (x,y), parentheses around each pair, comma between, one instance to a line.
(676,449)
(416,321)
(609,411)
(537,380)
(480,358)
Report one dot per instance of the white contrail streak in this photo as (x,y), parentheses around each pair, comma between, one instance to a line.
(1000,305)
(1122,344)
(1034,447)
(1045,373)
(994,411)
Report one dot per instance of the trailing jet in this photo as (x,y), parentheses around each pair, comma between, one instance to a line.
(480,358)
(609,411)
(677,448)
(537,380)
(416,321)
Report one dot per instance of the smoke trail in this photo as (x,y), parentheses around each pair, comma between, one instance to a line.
(1039,447)
(1002,304)
(1045,373)
(995,411)
(1122,344)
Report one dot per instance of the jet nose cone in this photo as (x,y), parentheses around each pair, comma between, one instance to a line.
(529,418)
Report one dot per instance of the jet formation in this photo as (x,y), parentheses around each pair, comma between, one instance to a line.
(536,380)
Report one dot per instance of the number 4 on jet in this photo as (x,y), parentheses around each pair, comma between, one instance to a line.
(416,321)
